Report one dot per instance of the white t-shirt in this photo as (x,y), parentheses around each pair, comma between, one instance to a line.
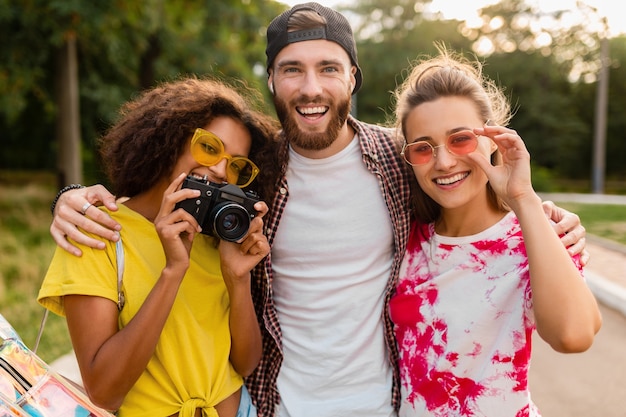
(332,258)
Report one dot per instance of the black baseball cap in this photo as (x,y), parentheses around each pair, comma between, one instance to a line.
(337,29)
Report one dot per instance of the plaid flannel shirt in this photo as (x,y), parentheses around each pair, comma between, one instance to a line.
(382,157)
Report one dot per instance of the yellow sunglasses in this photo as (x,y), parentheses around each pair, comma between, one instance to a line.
(208,149)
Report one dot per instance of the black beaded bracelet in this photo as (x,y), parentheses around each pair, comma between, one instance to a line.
(61,191)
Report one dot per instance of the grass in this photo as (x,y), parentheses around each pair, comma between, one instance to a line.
(605,220)
(26,249)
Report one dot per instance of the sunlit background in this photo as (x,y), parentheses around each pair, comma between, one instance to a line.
(560,62)
(466,10)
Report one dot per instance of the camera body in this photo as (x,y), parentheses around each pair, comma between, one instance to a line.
(222,210)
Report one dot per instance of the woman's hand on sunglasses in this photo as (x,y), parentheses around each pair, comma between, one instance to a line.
(511,179)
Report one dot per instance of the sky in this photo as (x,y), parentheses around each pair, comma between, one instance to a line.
(466,9)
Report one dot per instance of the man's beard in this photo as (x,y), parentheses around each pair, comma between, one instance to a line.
(312,141)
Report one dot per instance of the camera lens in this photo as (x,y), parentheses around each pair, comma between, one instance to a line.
(230,221)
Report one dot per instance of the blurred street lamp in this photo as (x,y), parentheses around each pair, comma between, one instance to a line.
(599,140)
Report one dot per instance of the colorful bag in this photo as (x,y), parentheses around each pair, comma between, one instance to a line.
(29,387)
(8,410)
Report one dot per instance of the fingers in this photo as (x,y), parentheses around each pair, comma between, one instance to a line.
(78,198)
(177,222)
(261,209)
(66,225)
(170,223)
(75,210)
(509,142)
(549,209)
(566,223)
(170,197)
(584,257)
(99,223)
(100,194)
(95,221)
(61,239)
(578,248)
(238,259)
(85,207)
(575,240)
(483,163)
(176,230)
(173,195)
(572,235)
(255,243)
(568,226)
(171,227)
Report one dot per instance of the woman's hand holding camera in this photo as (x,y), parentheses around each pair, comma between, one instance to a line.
(238,259)
(176,228)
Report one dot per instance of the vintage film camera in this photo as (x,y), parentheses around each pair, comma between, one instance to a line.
(222,210)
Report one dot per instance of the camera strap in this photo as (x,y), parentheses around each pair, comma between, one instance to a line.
(119,253)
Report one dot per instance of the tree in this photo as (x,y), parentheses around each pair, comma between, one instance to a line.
(616,124)
(122,47)
(542,61)
(545,114)
(391,34)
(69,162)
(584,99)
(569,35)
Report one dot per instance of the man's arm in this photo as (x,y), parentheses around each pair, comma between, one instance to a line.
(68,216)
(568,226)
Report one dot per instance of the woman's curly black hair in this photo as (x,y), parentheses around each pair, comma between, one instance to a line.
(154,129)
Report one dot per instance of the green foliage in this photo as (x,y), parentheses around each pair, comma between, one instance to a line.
(384,64)
(545,115)
(522,25)
(27,248)
(126,46)
(554,115)
(391,34)
(542,179)
(123,47)
(604,220)
(616,145)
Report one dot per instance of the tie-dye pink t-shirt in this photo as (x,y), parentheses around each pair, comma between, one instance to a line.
(463,322)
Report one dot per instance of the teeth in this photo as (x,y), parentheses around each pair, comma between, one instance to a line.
(450,180)
(313,110)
